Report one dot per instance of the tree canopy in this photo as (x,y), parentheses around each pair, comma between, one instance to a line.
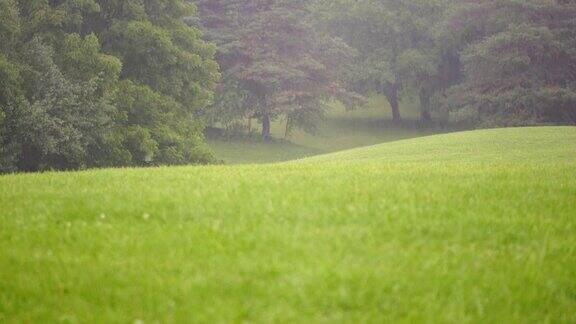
(519,62)
(89,83)
(396,41)
(274,62)
(492,62)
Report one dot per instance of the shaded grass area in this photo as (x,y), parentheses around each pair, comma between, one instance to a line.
(367,126)
(477,227)
(341,130)
(252,149)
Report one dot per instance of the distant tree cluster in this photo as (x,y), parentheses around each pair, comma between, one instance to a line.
(492,62)
(518,60)
(94,83)
(488,62)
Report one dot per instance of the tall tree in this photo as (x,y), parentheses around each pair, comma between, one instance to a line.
(395,40)
(272,56)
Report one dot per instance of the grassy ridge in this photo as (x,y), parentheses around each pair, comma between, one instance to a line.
(528,145)
(470,227)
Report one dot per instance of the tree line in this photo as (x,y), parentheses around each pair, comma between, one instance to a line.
(100,83)
(486,62)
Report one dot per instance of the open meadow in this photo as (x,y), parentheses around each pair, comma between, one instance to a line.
(466,227)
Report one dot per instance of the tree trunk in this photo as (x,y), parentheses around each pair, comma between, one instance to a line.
(392,96)
(30,159)
(287,130)
(425,114)
(266,125)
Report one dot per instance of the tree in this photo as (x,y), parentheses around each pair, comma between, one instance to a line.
(273,58)
(93,83)
(171,69)
(53,122)
(396,42)
(519,62)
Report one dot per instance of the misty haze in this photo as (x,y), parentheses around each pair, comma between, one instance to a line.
(287,161)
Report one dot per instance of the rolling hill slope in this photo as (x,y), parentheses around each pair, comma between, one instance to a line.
(529,145)
(465,227)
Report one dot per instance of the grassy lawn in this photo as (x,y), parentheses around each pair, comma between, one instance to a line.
(340,131)
(462,228)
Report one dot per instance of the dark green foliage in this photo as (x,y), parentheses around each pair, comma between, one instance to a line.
(165,133)
(89,83)
(519,61)
(61,117)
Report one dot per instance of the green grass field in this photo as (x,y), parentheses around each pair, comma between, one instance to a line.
(461,228)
